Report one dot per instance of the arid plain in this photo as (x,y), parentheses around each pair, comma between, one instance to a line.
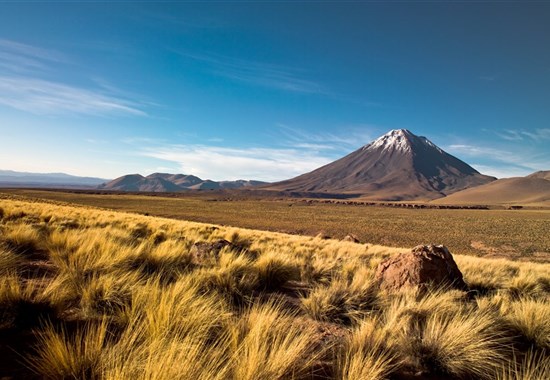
(111,286)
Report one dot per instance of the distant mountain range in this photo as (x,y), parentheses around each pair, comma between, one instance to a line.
(397,166)
(10,178)
(166,182)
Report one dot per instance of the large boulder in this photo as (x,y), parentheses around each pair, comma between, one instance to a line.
(423,265)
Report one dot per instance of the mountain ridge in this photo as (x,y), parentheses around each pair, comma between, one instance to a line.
(29,179)
(168,182)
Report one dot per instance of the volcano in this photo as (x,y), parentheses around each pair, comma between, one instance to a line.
(397,166)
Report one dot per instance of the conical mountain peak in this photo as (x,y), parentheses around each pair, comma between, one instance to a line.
(398,139)
(396,166)
(401,140)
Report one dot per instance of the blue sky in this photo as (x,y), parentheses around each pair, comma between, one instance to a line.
(269,90)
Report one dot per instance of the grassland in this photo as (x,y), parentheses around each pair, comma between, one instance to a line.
(497,233)
(97,294)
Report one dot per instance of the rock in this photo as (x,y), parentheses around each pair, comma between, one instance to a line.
(205,250)
(423,265)
(352,238)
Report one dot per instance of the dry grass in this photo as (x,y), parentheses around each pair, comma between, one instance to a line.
(368,353)
(534,366)
(100,294)
(502,233)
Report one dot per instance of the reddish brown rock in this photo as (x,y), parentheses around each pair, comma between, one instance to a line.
(423,265)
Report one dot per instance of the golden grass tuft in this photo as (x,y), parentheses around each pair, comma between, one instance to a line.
(341,302)
(22,239)
(534,366)
(64,354)
(275,270)
(368,353)
(271,344)
(530,319)
(463,345)
(9,262)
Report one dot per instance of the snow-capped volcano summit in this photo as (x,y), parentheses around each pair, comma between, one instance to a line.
(399,139)
(397,166)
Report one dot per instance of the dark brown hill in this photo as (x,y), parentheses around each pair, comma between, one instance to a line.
(397,166)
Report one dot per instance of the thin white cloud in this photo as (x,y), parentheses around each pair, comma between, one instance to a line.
(222,163)
(26,84)
(257,73)
(500,171)
(50,98)
(510,135)
(349,138)
(537,134)
(32,51)
(313,146)
(480,151)
(18,57)
(502,161)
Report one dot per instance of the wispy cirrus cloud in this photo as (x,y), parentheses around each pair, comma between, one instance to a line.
(522,134)
(263,74)
(499,162)
(296,152)
(19,57)
(350,138)
(45,97)
(226,163)
(26,84)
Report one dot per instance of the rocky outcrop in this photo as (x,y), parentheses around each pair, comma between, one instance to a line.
(422,266)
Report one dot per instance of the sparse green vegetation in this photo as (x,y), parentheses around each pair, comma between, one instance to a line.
(99,294)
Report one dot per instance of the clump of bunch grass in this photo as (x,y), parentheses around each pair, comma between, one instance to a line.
(272,344)
(530,320)
(22,306)
(343,301)
(9,262)
(275,270)
(64,354)
(464,345)
(439,336)
(368,353)
(22,239)
(167,260)
(234,279)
